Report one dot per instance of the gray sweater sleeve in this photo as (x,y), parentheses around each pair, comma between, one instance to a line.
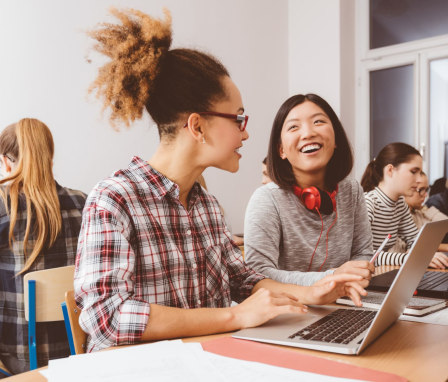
(362,248)
(263,237)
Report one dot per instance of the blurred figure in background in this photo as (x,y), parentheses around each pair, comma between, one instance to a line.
(439,199)
(423,214)
(264,172)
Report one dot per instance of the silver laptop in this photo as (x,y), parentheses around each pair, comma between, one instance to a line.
(350,331)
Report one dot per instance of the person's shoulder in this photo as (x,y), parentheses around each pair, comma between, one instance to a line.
(371,195)
(207,197)
(70,192)
(270,191)
(70,198)
(349,185)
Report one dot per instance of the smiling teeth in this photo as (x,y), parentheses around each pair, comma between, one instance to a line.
(237,150)
(311,147)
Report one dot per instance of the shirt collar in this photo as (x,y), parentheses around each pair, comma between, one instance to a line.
(158,183)
(385,199)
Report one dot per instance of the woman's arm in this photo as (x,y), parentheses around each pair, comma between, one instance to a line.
(268,300)
(104,279)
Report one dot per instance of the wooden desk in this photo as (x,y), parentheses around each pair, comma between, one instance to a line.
(413,350)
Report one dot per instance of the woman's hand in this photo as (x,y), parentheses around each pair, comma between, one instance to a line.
(330,288)
(361,268)
(264,305)
(439,261)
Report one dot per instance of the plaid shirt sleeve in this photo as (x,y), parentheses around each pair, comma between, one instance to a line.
(104,279)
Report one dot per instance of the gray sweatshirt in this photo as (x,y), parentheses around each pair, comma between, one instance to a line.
(280,234)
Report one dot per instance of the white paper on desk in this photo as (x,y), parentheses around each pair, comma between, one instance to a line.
(160,361)
(236,370)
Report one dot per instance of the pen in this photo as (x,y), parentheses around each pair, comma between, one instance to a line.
(380,248)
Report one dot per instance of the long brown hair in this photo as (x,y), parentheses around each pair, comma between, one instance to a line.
(395,154)
(30,144)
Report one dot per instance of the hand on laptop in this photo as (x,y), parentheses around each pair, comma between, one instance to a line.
(264,305)
(330,288)
(362,268)
(439,261)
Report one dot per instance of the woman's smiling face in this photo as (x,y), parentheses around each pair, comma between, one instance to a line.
(307,140)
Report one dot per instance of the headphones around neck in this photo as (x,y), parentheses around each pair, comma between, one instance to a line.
(314,198)
(322,202)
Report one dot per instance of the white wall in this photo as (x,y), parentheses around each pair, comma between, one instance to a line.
(44,74)
(321,54)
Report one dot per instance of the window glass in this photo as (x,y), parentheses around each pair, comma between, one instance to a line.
(391,107)
(397,21)
(438,119)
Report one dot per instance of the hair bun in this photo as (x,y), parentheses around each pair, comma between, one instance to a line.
(135,48)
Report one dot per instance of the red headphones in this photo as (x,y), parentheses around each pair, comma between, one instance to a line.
(322,202)
(315,199)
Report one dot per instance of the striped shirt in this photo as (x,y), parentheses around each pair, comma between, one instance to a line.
(387,216)
(51,337)
(139,246)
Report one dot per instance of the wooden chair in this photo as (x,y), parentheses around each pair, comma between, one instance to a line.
(44,292)
(4,370)
(77,337)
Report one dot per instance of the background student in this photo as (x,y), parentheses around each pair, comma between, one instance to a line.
(39,227)
(422,214)
(391,176)
(264,172)
(155,259)
(288,237)
(439,196)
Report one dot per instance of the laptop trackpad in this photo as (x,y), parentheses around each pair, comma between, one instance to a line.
(283,326)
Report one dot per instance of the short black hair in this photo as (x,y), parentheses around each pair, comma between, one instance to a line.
(340,164)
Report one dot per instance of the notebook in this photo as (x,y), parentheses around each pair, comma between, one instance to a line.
(433,283)
(418,306)
(350,331)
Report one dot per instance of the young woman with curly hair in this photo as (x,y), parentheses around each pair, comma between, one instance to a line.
(155,258)
(39,227)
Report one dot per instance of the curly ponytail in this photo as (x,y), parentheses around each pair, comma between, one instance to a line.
(144,72)
(134,48)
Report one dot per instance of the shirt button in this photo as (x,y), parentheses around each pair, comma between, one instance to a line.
(195,266)
(199,302)
(188,232)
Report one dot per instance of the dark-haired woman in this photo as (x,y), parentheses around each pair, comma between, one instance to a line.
(287,240)
(155,259)
(39,227)
(392,175)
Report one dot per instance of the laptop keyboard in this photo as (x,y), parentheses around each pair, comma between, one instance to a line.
(340,326)
(432,280)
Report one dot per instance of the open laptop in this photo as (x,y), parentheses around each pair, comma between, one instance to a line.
(355,328)
(433,284)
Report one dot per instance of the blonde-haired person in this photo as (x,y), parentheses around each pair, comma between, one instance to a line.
(155,258)
(39,227)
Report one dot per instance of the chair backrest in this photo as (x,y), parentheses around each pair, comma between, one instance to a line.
(78,336)
(44,291)
(51,285)
(4,370)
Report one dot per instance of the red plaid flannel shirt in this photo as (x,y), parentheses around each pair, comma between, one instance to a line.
(139,245)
